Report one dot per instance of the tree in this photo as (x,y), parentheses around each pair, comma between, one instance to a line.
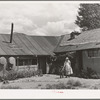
(88,16)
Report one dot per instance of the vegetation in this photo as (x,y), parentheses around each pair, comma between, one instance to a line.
(71,84)
(25,73)
(88,16)
(10,87)
(12,75)
(89,73)
(56,86)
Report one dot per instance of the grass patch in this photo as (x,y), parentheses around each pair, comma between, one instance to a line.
(39,84)
(59,86)
(71,84)
(56,86)
(10,87)
(95,86)
(75,83)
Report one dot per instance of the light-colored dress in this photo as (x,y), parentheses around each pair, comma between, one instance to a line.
(68,69)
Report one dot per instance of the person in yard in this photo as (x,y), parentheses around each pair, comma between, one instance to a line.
(67,67)
(61,71)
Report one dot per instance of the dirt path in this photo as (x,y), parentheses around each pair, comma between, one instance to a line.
(42,82)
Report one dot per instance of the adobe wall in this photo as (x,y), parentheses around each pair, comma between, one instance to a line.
(93,63)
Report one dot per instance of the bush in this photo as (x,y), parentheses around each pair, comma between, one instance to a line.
(21,74)
(39,72)
(10,87)
(69,85)
(72,82)
(26,73)
(89,73)
(56,86)
(11,75)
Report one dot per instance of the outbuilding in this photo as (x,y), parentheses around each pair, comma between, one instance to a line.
(26,50)
(86,47)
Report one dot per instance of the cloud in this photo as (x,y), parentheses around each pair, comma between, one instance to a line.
(57,28)
(38,18)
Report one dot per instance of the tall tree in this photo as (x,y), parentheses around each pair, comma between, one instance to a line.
(88,16)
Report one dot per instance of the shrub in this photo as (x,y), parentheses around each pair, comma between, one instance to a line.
(10,87)
(89,73)
(39,72)
(26,73)
(72,82)
(48,86)
(20,74)
(61,86)
(11,75)
(56,86)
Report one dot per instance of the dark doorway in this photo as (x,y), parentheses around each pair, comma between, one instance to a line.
(42,64)
(80,61)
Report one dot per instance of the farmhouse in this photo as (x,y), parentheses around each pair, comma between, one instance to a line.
(35,51)
(86,47)
(27,50)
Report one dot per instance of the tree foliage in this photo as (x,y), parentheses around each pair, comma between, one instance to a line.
(88,16)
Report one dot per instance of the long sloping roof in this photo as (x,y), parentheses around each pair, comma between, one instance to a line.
(86,40)
(27,45)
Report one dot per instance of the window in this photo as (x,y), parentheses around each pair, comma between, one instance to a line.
(21,62)
(93,53)
(34,62)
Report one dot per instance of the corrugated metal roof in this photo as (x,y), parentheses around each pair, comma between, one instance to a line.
(86,40)
(85,37)
(76,47)
(59,48)
(46,43)
(27,45)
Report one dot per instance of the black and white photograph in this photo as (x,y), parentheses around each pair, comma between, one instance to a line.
(49,45)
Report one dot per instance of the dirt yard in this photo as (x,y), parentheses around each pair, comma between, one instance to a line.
(48,81)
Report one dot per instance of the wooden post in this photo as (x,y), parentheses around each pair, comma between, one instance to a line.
(37,63)
(3,74)
(17,63)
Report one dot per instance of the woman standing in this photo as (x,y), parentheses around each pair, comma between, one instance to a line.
(67,67)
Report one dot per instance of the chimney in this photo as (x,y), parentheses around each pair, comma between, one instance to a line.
(72,35)
(11,36)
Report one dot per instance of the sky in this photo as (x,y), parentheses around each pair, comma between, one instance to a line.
(38,18)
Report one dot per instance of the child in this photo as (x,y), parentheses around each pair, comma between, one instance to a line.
(61,71)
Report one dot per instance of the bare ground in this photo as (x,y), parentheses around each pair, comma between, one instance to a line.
(47,79)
